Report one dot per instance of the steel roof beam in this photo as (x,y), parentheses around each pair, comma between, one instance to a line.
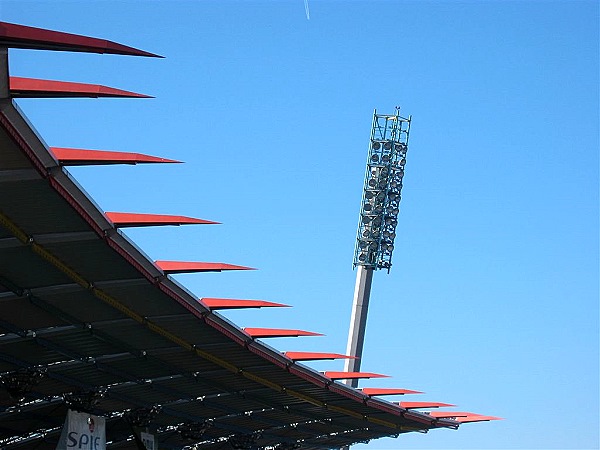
(50,238)
(12,175)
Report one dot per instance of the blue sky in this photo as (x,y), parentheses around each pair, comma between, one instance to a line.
(492,302)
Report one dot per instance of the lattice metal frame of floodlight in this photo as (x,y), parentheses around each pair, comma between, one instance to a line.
(382,191)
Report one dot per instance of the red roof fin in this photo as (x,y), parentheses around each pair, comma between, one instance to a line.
(476,418)
(35,88)
(415,405)
(230,303)
(313,356)
(20,36)
(388,391)
(120,220)
(278,332)
(83,157)
(353,375)
(189,267)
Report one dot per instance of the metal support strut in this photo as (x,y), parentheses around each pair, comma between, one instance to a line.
(358,321)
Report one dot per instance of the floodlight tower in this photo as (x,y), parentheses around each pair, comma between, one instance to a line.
(377,220)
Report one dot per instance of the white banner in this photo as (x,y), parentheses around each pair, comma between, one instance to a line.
(82,431)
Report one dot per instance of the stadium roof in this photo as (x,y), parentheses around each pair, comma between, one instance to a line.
(88,322)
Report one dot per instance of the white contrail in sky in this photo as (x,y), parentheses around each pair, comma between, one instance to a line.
(306,10)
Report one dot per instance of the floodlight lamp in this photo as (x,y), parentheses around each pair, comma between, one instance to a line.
(374,158)
(373,246)
(380,196)
(387,145)
(377,221)
(372,182)
(376,145)
(385,158)
(367,207)
(366,219)
(395,211)
(362,257)
(369,195)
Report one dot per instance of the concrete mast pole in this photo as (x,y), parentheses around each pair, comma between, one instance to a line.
(358,321)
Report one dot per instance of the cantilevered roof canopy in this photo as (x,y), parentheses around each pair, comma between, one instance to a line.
(88,322)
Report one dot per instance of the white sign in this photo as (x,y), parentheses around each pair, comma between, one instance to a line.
(148,441)
(83,431)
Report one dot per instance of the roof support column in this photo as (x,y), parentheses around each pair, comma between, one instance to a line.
(4,79)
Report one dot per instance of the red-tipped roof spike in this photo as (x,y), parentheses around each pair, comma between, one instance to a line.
(20,36)
(353,375)
(371,392)
(84,157)
(121,220)
(230,303)
(36,88)
(416,405)
(448,414)
(278,332)
(190,267)
(477,418)
(314,356)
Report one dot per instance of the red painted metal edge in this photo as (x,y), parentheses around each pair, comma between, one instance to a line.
(278,332)
(415,405)
(230,303)
(35,88)
(20,36)
(313,356)
(189,266)
(387,391)
(447,414)
(121,220)
(84,157)
(476,418)
(353,375)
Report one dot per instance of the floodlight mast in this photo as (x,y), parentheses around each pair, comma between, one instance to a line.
(377,220)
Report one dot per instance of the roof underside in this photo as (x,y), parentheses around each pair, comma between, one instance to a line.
(87,321)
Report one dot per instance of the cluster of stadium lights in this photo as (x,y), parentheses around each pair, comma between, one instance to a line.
(382,191)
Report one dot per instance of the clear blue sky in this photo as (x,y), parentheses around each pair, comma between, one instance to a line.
(492,302)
